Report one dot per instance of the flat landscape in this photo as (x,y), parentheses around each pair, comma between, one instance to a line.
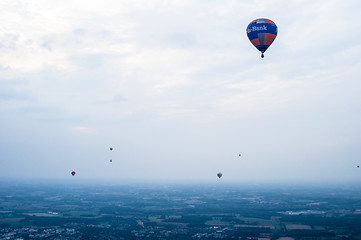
(65,210)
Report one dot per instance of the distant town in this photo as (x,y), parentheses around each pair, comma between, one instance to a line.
(145,211)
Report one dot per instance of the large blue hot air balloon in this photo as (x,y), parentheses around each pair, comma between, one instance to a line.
(262,32)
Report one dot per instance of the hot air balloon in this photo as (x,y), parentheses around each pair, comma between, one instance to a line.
(219,175)
(262,32)
(239,155)
(358,166)
(73,173)
(111,149)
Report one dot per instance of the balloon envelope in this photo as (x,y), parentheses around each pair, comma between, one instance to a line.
(73,173)
(111,149)
(262,32)
(219,175)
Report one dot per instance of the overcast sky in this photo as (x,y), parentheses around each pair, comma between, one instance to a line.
(177,89)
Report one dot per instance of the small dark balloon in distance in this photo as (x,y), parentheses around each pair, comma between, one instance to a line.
(111,149)
(73,173)
(110,160)
(219,175)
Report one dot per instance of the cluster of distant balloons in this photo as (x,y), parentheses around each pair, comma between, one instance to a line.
(261,32)
(73,172)
(219,174)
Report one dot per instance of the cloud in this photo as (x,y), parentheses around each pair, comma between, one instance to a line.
(83,129)
(114,99)
(13,89)
(174,113)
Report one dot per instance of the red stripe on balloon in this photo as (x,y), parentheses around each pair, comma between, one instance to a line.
(268,38)
(255,42)
(268,21)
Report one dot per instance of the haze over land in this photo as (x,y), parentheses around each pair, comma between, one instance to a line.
(178,91)
(58,210)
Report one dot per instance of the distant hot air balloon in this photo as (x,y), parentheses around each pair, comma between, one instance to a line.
(73,173)
(358,166)
(239,155)
(219,175)
(111,149)
(262,32)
